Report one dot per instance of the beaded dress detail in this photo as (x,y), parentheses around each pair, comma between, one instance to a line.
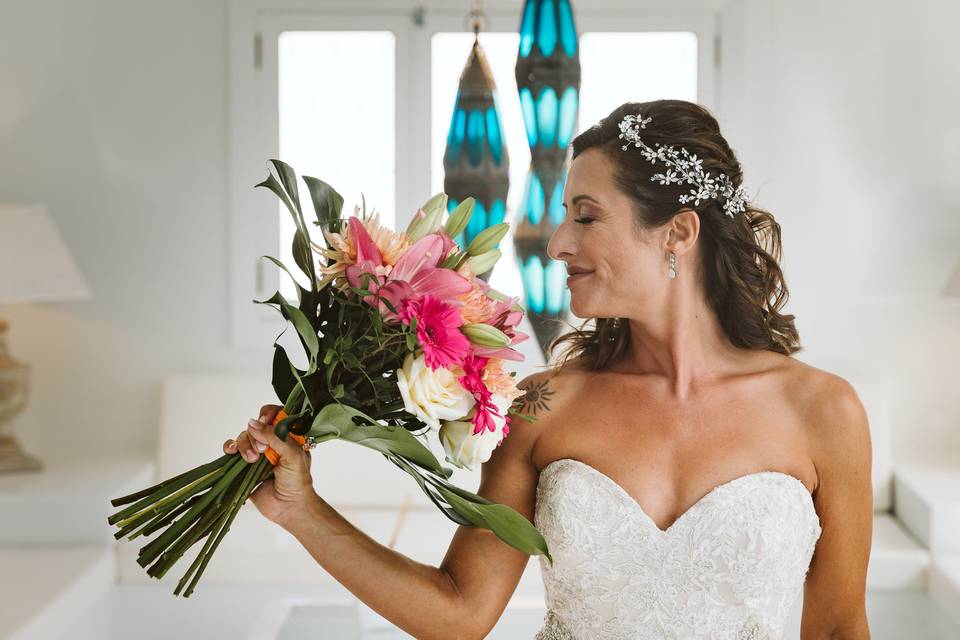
(729,568)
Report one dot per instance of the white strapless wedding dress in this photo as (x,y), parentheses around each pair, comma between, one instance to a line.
(729,568)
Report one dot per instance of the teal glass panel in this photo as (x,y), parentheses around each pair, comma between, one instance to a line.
(478,221)
(455,139)
(547,29)
(460,127)
(529,115)
(534,204)
(475,135)
(533,283)
(493,136)
(555,284)
(453,118)
(547,116)
(568,116)
(526,28)
(568,33)
(497,211)
(556,205)
(566,298)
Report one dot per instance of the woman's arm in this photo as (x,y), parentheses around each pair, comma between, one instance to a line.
(835,590)
(419,598)
(464,597)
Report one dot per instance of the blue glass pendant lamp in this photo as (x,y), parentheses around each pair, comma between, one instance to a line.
(548,79)
(476,162)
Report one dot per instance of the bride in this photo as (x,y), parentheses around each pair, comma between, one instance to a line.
(689,476)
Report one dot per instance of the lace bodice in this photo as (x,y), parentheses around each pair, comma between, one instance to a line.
(729,568)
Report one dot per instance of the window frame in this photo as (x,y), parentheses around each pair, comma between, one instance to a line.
(254,118)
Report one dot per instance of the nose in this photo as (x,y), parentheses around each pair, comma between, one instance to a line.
(559,246)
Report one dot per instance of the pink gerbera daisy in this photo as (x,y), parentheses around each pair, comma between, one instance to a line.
(472,381)
(438,331)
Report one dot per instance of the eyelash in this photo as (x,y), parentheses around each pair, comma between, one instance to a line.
(583,220)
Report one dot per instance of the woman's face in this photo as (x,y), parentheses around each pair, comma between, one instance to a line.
(627,269)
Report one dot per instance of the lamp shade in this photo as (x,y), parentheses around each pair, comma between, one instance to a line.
(35,264)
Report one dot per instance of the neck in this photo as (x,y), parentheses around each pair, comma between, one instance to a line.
(686,345)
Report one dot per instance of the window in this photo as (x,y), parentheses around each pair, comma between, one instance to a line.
(336,100)
(362,99)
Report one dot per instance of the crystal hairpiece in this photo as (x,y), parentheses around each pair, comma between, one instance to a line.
(682,166)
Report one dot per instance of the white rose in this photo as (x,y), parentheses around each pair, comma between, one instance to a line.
(465,449)
(432,395)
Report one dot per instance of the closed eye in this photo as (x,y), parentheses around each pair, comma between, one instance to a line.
(583,220)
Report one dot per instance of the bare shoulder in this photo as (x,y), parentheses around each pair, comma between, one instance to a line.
(549,394)
(836,420)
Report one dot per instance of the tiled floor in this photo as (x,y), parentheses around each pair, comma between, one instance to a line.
(151,612)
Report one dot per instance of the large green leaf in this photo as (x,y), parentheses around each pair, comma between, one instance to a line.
(301,292)
(284,376)
(508,525)
(338,419)
(306,331)
(327,203)
(431,493)
(286,190)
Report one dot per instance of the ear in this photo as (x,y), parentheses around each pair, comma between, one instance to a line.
(683,231)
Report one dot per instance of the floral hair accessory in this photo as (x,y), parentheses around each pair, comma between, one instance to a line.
(683,167)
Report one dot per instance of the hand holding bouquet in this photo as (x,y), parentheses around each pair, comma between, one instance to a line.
(401,340)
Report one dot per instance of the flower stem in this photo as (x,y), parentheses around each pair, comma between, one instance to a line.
(223,525)
(170,487)
(149,490)
(150,552)
(194,487)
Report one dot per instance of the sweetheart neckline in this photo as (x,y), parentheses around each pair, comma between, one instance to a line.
(624,493)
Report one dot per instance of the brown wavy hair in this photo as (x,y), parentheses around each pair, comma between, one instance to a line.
(740,268)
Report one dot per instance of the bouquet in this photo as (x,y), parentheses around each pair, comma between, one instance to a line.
(402,340)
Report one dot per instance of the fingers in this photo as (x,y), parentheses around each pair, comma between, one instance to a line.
(230,446)
(247,447)
(265,435)
(268,412)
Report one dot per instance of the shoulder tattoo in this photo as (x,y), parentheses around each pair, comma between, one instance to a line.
(536,397)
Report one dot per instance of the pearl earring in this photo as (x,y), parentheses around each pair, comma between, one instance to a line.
(673,265)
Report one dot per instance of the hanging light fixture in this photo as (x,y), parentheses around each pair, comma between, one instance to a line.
(475,162)
(548,80)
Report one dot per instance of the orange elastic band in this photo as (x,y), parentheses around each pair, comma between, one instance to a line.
(272,455)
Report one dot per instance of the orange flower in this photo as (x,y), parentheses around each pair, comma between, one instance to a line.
(498,380)
(477,306)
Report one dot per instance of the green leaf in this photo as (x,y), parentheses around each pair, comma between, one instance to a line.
(338,419)
(301,292)
(327,203)
(286,190)
(300,249)
(284,378)
(306,331)
(508,525)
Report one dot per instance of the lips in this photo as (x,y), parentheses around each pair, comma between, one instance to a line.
(576,273)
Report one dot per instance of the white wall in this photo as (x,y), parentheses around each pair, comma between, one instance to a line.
(114,115)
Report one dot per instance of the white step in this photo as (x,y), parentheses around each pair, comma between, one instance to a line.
(42,588)
(68,502)
(945,584)
(927,501)
(897,559)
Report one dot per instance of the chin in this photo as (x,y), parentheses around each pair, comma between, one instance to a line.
(580,312)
